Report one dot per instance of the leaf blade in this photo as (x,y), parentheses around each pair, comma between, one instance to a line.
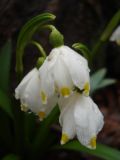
(26,34)
(96,78)
(5,104)
(106,82)
(101,151)
(11,157)
(5,62)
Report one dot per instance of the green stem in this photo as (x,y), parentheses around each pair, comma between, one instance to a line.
(19,63)
(40,48)
(106,34)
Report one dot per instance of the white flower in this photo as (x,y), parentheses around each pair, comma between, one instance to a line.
(80,117)
(62,72)
(116,35)
(28,91)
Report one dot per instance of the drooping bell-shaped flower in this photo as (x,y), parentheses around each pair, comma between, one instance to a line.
(63,71)
(116,36)
(80,117)
(28,91)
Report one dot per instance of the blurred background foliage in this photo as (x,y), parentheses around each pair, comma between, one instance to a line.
(79,21)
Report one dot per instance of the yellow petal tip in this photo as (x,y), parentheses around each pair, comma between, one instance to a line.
(118,42)
(65,92)
(64,138)
(41,115)
(86,89)
(24,107)
(92,143)
(43,97)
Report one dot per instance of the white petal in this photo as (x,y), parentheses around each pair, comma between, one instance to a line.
(116,35)
(88,120)
(63,102)
(32,97)
(46,109)
(32,94)
(67,51)
(97,115)
(52,101)
(77,66)
(21,87)
(67,118)
(67,122)
(47,83)
(62,78)
(45,71)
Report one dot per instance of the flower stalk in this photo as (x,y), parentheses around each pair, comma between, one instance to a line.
(40,48)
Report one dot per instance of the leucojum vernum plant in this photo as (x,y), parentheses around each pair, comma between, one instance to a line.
(61,79)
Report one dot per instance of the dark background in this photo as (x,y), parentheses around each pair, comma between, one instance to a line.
(79,21)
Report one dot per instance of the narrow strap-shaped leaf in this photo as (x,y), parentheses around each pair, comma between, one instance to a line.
(106,82)
(11,157)
(32,24)
(5,103)
(101,151)
(28,30)
(5,61)
(44,129)
(96,78)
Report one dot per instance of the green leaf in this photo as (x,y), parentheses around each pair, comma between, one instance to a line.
(11,157)
(25,36)
(101,151)
(5,104)
(5,61)
(29,128)
(6,133)
(106,82)
(44,129)
(96,78)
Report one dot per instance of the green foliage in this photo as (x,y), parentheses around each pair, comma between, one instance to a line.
(5,64)
(11,157)
(25,36)
(101,151)
(31,27)
(98,80)
(44,130)
(5,103)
